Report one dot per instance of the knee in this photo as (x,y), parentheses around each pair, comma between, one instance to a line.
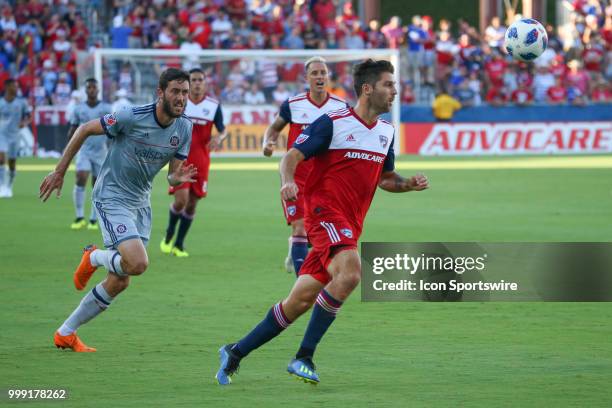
(179,205)
(297,228)
(349,280)
(137,267)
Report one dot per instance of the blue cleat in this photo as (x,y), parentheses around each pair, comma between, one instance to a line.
(229,365)
(303,369)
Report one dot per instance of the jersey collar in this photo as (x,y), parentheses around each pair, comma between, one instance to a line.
(314,103)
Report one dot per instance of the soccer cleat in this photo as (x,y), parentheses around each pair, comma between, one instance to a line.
(179,253)
(289,265)
(85,269)
(304,370)
(166,248)
(78,224)
(229,366)
(72,342)
(9,192)
(4,192)
(93,225)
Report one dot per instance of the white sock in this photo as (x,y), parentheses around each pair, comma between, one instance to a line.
(290,245)
(109,258)
(95,302)
(2,173)
(78,197)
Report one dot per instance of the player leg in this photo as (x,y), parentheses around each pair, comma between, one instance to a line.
(3,190)
(96,165)
(299,244)
(83,168)
(181,195)
(13,152)
(186,219)
(278,318)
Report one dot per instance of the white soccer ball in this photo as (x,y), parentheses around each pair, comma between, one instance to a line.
(526,39)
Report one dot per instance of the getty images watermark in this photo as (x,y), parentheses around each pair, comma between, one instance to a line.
(486,271)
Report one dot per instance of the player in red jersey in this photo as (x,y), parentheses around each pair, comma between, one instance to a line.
(352,150)
(299,112)
(204,111)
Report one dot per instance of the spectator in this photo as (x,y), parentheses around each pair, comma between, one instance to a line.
(577,77)
(151,27)
(200,30)
(593,56)
(49,77)
(7,22)
(464,94)
(190,61)
(354,40)
(415,39)
(268,72)
(374,37)
(602,92)
(254,96)
(75,99)
(393,32)
(281,94)
(236,9)
(429,50)
(79,34)
(122,100)
(63,90)
(542,80)
(407,93)
(310,35)
(236,75)
(444,106)
(325,14)
(495,69)
(496,96)
(294,40)
(475,85)
(61,46)
(575,96)
(494,33)
(120,33)
(41,97)
(125,77)
(557,94)
(522,96)
(167,39)
(221,29)
(232,94)
(348,14)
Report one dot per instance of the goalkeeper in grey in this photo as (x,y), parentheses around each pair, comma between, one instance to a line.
(91,155)
(144,139)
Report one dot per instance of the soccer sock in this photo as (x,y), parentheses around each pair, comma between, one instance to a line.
(270,327)
(299,250)
(94,303)
(93,217)
(78,197)
(323,315)
(12,174)
(174,217)
(184,225)
(108,258)
(2,172)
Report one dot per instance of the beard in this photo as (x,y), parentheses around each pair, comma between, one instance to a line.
(167,108)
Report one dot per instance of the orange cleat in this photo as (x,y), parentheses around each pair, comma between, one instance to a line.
(73,342)
(85,269)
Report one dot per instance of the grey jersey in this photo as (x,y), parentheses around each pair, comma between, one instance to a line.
(95,146)
(11,114)
(140,148)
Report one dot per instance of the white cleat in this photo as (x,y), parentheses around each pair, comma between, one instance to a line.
(9,192)
(4,192)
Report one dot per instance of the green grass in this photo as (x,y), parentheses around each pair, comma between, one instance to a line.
(157,344)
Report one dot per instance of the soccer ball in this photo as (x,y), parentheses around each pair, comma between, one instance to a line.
(526,39)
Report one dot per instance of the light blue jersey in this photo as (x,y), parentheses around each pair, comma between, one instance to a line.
(140,148)
(83,113)
(11,114)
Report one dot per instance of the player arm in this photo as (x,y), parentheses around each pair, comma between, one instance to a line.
(272,132)
(55,179)
(391,181)
(215,142)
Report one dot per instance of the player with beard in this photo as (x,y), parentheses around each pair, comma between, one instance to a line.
(299,112)
(352,150)
(144,139)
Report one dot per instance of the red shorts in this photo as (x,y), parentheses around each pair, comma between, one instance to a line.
(294,210)
(328,236)
(200,186)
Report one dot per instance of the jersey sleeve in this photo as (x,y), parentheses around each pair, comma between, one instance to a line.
(118,122)
(389,163)
(316,138)
(284,111)
(218,120)
(74,117)
(183,150)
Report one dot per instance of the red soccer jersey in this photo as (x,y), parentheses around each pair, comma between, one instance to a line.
(495,71)
(203,114)
(349,157)
(557,93)
(521,96)
(300,111)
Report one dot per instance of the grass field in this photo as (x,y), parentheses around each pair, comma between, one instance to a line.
(157,344)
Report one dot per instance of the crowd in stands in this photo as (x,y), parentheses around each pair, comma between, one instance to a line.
(40,38)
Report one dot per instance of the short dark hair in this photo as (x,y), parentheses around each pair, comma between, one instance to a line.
(196,70)
(368,72)
(91,79)
(172,74)
(9,81)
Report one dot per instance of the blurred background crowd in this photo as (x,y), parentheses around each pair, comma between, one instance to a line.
(40,40)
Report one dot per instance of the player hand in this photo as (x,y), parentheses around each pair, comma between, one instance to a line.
(289,191)
(215,144)
(418,182)
(268,148)
(185,174)
(53,181)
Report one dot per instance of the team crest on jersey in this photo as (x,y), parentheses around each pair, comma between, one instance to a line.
(347,232)
(291,210)
(384,140)
(174,141)
(109,119)
(205,112)
(301,139)
(121,228)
